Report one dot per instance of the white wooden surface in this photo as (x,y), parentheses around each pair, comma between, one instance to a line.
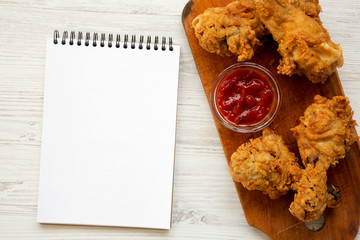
(206,205)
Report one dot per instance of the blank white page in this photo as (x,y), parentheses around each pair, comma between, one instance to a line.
(108,140)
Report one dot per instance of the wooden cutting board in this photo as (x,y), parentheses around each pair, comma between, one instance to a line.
(272,216)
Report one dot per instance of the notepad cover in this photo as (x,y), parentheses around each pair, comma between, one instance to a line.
(108,139)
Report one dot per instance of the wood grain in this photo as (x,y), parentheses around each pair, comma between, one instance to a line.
(272,216)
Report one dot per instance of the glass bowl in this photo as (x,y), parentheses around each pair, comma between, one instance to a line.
(255,125)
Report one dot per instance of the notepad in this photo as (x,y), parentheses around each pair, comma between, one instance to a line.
(108,138)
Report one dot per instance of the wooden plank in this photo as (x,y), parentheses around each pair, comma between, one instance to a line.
(272,216)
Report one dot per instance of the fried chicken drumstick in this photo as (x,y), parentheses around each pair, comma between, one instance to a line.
(324,135)
(326,130)
(236,29)
(265,164)
(231,30)
(304,44)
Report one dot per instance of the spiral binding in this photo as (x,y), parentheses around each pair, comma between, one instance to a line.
(110,39)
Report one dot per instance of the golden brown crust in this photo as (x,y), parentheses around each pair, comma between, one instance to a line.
(326,130)
(304,44)
(311,8)
(231,30)
(265,164)
(311,198)
(324,135)
(236,29)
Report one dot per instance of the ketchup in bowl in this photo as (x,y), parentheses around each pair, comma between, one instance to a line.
(245,97)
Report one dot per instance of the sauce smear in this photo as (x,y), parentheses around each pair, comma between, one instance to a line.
(245,97)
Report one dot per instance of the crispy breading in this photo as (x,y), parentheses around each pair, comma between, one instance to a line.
(304,44)
(313,194)
(236,30)
(311,198)
(311,8)
(326,130)
(231,30)
(265,164)
(324,135)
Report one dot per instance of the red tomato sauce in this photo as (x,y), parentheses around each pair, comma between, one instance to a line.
(245,97)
